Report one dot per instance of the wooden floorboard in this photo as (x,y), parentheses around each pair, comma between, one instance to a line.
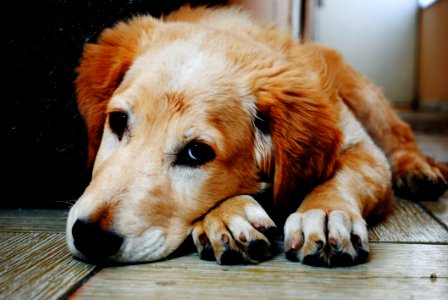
(439,209)
(395,271)
(36,265)
(408,222)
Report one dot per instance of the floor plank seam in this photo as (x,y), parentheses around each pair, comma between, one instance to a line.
(431,214)
(72,290)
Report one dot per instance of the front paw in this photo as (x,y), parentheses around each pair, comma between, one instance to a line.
(237,231)
(320,239)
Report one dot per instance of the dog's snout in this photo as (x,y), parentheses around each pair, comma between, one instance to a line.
(95,243)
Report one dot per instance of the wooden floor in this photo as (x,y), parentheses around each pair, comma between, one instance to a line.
(409,260)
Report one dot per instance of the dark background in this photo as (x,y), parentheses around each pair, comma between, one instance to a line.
(43,138)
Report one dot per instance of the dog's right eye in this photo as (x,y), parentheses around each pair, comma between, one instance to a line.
(118,122)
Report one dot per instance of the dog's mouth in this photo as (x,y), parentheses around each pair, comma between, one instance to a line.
(106,247)
(92,243)
(185,248)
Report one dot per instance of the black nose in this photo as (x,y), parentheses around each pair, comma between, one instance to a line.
(95,243)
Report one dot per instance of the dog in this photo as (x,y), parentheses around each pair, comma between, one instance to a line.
(207,124)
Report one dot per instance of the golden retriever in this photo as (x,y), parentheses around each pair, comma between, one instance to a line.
(194,117)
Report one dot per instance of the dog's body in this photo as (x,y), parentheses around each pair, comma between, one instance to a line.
(191,116)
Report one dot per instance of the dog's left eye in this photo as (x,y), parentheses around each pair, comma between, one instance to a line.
(118,122)
(195,154)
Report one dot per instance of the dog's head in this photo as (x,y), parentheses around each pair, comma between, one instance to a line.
(179,119)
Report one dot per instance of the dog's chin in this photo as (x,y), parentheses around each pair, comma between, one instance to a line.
(149,246)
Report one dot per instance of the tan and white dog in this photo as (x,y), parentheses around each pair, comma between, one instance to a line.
(191,116)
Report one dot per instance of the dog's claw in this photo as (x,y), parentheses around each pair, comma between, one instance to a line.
(346,241)
(315,260)
(420,188)
(341,259)
(269,232)
(258,250)
(232,257)
(206,253)
(416,177)
(238,231)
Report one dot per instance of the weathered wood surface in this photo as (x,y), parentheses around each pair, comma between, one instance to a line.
(408,222)
(36,265)
(439,209)
(395,271)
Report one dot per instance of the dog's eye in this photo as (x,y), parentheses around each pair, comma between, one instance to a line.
(195,154)
(118,122)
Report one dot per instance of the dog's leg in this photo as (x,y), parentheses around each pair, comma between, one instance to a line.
(329,227)
(415,176)
(235,232)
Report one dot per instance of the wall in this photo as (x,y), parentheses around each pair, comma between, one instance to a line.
(377,37)
(433,63)
(269,11)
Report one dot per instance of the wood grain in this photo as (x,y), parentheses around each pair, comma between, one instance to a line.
(439,209)
(395,271)
(37,266)
(408,222)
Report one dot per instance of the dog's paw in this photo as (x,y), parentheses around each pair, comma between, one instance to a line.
(237,231)
(417,177)
(320,239)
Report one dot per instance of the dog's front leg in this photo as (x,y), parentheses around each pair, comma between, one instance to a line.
(329,227)
(237,231)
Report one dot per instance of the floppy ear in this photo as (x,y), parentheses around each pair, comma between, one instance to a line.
(303,127)
(101,70)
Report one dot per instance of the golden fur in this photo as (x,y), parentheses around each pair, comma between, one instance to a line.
(280,116)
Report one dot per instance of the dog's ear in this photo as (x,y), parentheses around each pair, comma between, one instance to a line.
(304,133)
(101,70)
